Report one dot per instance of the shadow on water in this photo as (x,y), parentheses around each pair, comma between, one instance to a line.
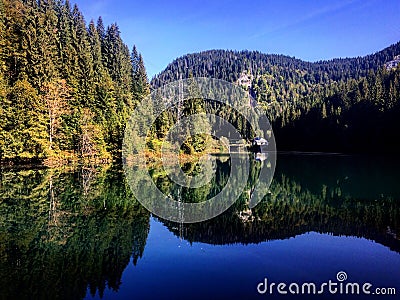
(66,231)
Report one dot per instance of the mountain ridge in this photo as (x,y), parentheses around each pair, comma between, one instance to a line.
(313,106)
(369,61)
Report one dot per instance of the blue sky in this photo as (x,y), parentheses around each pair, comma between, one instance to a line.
(310,30)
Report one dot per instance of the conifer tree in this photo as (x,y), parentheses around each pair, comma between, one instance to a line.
(48,54)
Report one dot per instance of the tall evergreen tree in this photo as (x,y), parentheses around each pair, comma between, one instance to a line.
(84,72)
(45,49)
(24,133)
(140,81)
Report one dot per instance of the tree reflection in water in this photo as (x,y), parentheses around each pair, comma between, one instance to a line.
(65,230)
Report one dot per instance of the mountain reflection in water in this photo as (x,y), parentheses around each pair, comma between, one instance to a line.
(66,231)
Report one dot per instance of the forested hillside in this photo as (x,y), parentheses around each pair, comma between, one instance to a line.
(66,88)
(348,105)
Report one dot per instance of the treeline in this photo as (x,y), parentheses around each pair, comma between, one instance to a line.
(357,115)
(66,89)
(230,65)
(345,105)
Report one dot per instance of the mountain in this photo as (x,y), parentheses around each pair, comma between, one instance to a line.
(229,65)
(344,104)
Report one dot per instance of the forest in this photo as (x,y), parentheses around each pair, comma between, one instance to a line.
(344,105)
(66,88)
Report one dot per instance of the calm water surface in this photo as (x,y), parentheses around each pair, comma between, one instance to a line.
(79,233)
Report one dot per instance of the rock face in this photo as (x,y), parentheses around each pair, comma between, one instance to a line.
(245,80)
(393,63)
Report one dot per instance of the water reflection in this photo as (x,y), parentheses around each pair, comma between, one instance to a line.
(64,231)
(304,197)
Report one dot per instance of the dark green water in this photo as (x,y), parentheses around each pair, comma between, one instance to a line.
(76,233)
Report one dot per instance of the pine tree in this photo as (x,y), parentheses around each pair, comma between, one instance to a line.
(14,20)
(23,134)
(66,50)
(101,30)
(48,56)
(194,107)
(47,42)
(3,43)
(141,85)
(84,72)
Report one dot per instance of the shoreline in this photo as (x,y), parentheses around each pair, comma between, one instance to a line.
(154,158)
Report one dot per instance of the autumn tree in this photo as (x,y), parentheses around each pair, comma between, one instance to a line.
(92,144)
(56,95)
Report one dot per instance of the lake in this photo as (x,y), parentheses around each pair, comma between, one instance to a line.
(74,233)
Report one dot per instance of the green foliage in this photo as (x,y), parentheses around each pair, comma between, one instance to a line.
(67,232)
(301,198)
(64,231)
(337,105)
(195,107)
(45,43)
(23,133)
